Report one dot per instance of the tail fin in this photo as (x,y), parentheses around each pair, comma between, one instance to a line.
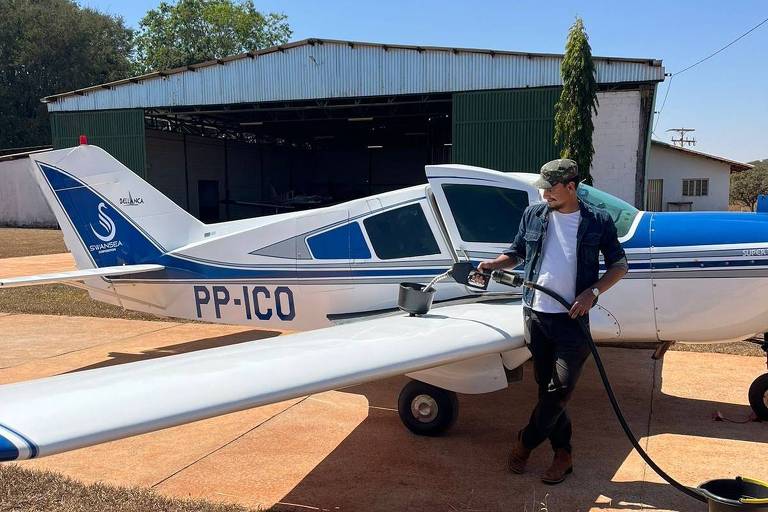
(108,214)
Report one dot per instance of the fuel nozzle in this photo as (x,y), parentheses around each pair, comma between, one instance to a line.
(507,278)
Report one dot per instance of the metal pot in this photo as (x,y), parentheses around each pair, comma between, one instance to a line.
(413,299)
(729,494)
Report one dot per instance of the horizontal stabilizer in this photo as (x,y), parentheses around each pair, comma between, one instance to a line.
(64,412)
(78,275)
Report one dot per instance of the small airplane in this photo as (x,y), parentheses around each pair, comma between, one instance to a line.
(334,274)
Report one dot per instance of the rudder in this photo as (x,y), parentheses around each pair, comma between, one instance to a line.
(108,214)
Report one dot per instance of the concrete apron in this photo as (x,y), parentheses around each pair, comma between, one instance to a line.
(346,450)
(31,265)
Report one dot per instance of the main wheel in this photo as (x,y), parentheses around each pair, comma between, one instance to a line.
(427,410)
(758,396)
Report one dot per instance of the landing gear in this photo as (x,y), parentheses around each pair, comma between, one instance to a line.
(758,391)
(758,396)
(427,410)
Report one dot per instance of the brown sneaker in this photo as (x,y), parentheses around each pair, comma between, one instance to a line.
(562,466)
(518,456)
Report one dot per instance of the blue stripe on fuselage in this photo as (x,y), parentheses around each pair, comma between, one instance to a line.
(177,268)
(673,229)
(641,236)
(679,229)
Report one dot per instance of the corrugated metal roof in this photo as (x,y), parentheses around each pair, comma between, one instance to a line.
(321,68)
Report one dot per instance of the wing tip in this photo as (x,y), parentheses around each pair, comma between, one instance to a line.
(8,450)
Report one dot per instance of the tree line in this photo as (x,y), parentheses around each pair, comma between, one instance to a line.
(747,186)
(53,46)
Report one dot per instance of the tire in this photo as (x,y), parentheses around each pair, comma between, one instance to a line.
(758,397)
(427,410)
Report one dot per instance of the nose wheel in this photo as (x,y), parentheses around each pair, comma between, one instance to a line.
(427,410)
(758,396)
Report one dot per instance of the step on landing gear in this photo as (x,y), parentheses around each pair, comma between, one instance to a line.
(427,410)
(758,391)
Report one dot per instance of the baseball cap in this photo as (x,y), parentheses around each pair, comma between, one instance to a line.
(556,171)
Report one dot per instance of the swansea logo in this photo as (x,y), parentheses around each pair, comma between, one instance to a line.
(106,223)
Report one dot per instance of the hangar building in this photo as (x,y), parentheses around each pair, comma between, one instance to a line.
(317,122)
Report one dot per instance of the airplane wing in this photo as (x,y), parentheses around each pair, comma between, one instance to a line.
(77,275)
(65,412)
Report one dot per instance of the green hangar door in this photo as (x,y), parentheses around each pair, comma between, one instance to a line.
(119,132)
(507,130)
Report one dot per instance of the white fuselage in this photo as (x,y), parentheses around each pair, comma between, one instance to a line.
(693,277)
(304,270)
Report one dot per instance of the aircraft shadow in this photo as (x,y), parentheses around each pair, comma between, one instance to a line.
(382,466)
(117,358)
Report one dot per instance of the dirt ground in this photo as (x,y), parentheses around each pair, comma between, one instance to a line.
(347,450)
(361,441)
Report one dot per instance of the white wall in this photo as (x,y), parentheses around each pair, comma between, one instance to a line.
(673,166)
(21,201)
(616,136)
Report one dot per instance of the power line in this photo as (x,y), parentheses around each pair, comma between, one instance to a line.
(724,47)
(669,86)
(672,75)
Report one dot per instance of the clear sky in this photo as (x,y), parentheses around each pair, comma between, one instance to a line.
(725,99)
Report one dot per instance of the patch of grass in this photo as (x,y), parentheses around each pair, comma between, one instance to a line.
(16,242)
(739,348)
(60,299)
(32,491)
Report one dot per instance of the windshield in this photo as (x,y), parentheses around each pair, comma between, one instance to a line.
(621,212)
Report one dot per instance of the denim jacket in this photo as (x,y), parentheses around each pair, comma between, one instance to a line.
(596,232)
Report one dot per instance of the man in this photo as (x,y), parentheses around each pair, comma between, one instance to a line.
(559,241)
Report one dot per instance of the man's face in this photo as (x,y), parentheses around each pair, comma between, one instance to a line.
(559,195)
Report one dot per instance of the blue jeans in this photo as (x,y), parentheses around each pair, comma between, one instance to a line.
(559,349)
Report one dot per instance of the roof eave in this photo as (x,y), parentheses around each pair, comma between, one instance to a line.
(733,163)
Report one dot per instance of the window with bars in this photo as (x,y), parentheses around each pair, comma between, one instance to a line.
(696,187)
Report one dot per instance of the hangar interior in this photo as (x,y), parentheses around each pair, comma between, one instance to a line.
(317,122)
(278,157)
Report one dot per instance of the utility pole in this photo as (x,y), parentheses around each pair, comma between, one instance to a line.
(682,141)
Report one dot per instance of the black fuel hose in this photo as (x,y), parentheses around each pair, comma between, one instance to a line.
(582,321)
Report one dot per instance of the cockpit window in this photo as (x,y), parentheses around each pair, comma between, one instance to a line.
(486,214)
(620,211)
(401,233)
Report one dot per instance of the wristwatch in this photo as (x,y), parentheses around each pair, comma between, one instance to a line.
(596,292)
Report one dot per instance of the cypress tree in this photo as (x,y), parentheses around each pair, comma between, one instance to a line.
(573,111)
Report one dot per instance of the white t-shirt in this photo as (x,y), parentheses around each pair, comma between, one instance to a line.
(558,262)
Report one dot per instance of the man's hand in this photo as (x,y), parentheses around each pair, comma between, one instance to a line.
(501,261)
(586,299)
(485,266)
(582,304)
